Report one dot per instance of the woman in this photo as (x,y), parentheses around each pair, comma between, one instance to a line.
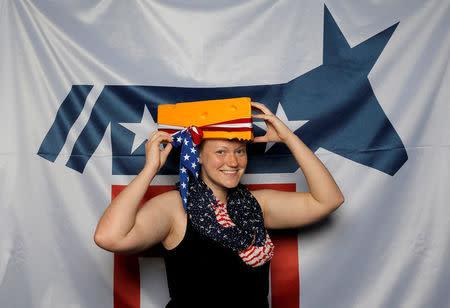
(207,270)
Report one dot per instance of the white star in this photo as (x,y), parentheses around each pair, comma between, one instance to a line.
(186,141)
(293,125)
(183,170)
(179,139)
(193,150)
(193,165)
(141,130)
(183,184)
(186,157)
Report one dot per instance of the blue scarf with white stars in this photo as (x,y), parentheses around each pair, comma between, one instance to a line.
(189,161)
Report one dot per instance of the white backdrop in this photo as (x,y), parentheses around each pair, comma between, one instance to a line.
(387,246)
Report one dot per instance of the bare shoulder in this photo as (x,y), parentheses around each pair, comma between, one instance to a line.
(261,196)
(173,198)
(172,195)
(169,202)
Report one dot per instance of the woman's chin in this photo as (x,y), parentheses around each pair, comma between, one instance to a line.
(231,183)
(225,181)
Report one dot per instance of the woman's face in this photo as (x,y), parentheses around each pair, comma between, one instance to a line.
(223,162)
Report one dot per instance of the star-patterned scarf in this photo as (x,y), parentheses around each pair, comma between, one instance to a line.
(188,139)
(243,210)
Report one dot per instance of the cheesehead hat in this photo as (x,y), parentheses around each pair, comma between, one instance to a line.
(224,118)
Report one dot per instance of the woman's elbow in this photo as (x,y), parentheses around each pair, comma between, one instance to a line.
(334,204)
(102,241)
(116,245)
(99,240)
(339,200)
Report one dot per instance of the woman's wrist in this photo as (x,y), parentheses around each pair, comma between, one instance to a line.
(149,171)
(291,139)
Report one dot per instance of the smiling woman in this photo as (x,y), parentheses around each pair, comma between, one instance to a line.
(213,229)
(223,164)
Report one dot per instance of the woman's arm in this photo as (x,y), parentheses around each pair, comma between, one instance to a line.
(294,209)
(124,227)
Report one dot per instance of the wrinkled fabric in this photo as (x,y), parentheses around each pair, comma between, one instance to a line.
(386,246)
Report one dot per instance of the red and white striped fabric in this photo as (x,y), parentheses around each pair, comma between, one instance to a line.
(239,125)
(253,255)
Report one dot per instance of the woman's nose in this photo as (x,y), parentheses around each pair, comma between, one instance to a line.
(232,160)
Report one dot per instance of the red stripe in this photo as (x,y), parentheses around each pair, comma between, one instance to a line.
(222,215)
(221,129)
(237,121)
(284,269)
(259,253)
(224,222)
(209,127)
(261,261)
(248,251)
(227,129)
(170,131)
(126,286)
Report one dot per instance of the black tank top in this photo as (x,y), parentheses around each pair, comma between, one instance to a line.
(203,273)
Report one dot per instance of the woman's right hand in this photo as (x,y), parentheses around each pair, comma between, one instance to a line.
(155,157)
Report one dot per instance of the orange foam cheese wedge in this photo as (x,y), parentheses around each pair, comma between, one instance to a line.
(223,118)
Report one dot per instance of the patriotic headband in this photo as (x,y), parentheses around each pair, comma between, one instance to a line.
(190,123)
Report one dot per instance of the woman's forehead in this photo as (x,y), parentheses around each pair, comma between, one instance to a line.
(213,143)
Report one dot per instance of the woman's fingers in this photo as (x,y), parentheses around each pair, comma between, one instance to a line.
(260,108)
(158,139)
(167,149)
(262,116)
(276,130)
(159,135)
(260,139)
(156,153)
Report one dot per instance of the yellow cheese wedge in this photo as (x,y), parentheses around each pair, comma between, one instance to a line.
(203,113)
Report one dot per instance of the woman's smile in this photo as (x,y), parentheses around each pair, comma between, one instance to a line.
(230,172)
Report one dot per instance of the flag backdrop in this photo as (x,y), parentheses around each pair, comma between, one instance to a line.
(364,84)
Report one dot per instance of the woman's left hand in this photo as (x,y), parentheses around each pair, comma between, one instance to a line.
(276,131)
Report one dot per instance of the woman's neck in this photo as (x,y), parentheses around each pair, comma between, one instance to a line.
(219,192)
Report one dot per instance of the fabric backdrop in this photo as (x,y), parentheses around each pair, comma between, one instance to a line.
(365,84)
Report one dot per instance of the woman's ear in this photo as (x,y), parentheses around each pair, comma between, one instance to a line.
(200,150)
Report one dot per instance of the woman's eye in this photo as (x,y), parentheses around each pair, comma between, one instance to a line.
(219,152)
(240,152)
